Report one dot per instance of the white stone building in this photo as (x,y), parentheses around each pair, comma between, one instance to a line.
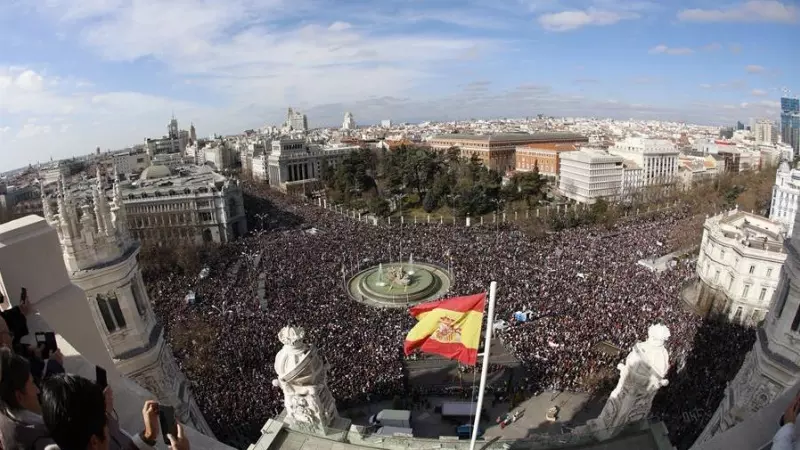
(763,131)
(740,260)
(349,122)
(588,175)
(102,259)
(31,257)
(658,158)
(771,367)
(194,205)
(632,178)
(296,121)
(785,195)
(295,165)
(126,163)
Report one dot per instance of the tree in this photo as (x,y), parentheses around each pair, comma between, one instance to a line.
(430,202)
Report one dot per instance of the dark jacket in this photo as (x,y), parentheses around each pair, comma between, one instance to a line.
(24,431)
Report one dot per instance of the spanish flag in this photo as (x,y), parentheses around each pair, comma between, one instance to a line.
(450,327)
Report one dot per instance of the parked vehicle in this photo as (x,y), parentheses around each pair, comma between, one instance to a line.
(398,418)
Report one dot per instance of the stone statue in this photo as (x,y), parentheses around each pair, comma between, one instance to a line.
(397,276)
(641,376)
(302,378)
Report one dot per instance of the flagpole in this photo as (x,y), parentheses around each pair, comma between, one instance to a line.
(485,368)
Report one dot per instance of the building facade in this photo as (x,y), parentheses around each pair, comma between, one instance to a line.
(296,120)
(658,158)
(194,206)
(790,123)
(349,123)
(19,201)
(588,175)
(497,151)
(785,195)
(295,166)
(740,260)
(102,259)
(547,158)
(175,141)
(771,367)
(763,131)
(126,163)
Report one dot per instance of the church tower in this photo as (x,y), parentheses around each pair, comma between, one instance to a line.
(771,366)
(102,259)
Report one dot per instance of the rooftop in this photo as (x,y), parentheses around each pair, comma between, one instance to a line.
(546,136)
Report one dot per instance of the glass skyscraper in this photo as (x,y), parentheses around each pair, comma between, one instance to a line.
(790,122)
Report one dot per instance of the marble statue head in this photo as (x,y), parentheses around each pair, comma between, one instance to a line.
(292,336)
(657,334)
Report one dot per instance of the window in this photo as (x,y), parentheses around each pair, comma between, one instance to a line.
(716,276)
(745,290)
(769,272)
(752,269)
(783,294)
(762,294)
(737,317)
(138,296)
(205,216)
(730,281)
(722,254)
(110,311)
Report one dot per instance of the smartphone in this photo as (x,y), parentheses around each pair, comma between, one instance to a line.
(166,418)
(100,377)
(50,341)
(41,341)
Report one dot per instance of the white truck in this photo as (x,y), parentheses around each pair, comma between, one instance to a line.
(398,418)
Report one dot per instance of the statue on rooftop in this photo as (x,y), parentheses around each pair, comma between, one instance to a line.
(643,373)
(302,376)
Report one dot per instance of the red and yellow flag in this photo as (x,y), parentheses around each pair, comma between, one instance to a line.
(451,328)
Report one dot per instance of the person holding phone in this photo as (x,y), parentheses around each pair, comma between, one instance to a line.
(21,424)
(785,438)
(76,412)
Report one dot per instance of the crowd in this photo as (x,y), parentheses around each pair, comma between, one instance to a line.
(584,286)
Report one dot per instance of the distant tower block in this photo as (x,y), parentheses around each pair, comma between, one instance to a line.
(302,376)
(101,259)
(349,122)
(641,376)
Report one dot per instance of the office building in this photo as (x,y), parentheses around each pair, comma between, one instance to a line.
(658,158)
(349,122)
(386,123)
(588,175)
(497,151)
(175,141)
(790,123)
(547,158)
(763,131)
(296,121)
(295,166)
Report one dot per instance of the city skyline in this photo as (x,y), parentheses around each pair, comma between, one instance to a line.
(78,74)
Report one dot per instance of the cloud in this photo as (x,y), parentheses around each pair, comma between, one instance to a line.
(24,90)
(758,92)
(586,81)
(753,68)
(750,11)
(339,26)
(712,47)
(663,49)
(30,130)
(706,86)
(574,19)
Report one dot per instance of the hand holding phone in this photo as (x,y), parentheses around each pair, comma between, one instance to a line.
(791,412)
(101,377)
(166,420)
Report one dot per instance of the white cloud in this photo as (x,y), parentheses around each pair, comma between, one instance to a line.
(753,68)
(4,130)
(706,86)
(750,11)
(758,92)
(712,47)
(30,130)
(23,91)
(64,128)
(574,19)
(339,26)
(671,50)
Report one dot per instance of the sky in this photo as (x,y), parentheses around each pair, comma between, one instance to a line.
(80,74)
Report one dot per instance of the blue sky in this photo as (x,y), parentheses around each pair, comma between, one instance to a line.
(77,74)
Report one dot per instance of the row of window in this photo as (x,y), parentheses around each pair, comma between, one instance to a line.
(751,270)
(111,311)
(745,289)
(166,207)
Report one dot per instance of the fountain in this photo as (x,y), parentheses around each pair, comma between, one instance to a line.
(399,284)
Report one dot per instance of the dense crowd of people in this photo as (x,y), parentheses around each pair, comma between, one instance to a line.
(583,285)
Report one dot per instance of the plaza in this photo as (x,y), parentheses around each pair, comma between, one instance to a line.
(399,284)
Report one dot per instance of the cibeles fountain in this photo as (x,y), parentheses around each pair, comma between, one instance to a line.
(399,284)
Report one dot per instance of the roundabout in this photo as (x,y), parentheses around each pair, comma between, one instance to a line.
(399,284)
